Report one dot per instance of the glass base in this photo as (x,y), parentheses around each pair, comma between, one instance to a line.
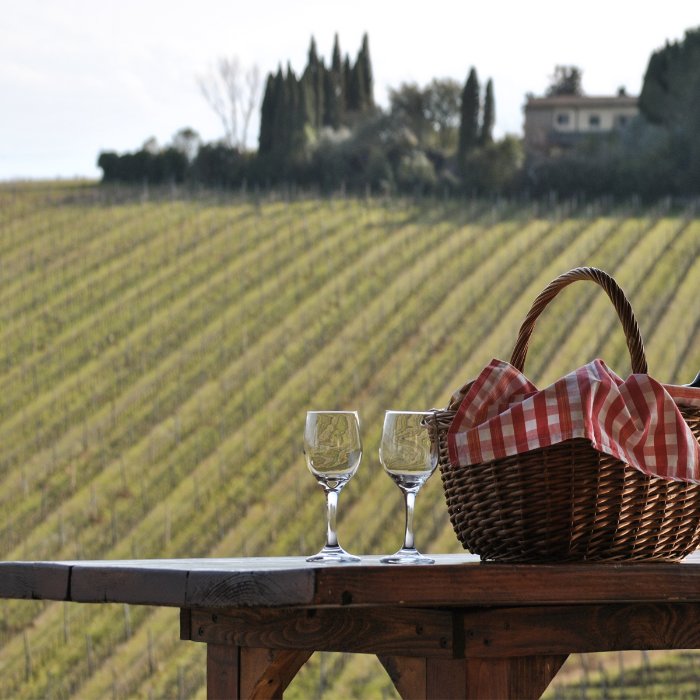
(407,556)
(333,554)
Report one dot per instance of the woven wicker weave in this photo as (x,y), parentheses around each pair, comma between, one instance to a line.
(569,502)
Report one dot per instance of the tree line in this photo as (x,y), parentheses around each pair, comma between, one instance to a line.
(322,128)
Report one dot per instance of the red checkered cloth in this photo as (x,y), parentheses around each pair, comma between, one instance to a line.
(636,420)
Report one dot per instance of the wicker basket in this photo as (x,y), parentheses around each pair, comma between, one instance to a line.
(569,502)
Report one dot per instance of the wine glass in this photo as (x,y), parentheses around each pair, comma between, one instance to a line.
(333,451)
(409,458)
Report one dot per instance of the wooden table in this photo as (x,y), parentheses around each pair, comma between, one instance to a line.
(459,628)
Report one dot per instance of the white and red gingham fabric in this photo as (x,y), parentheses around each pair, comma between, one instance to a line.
(636,420)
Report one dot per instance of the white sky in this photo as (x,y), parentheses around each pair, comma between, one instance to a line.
(81,76)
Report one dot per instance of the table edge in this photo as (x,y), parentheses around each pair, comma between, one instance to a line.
(289,581)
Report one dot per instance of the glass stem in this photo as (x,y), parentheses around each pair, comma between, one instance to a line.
(410,497)
(332,509)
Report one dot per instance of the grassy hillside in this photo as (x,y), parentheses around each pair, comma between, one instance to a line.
(158,354)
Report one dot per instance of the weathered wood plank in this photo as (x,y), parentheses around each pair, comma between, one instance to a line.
(505,584)
(128,584)
(248,588)
(287,581)
(35,580)
(395,631)
(581,628)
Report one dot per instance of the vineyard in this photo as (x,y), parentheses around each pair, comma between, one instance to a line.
(158,352)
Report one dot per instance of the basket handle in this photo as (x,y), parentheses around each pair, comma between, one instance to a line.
(618,298)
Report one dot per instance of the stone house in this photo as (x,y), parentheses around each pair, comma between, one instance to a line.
(553,124)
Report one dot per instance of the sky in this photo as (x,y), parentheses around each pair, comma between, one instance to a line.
(78,77)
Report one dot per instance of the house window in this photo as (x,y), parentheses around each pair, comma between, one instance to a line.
(594,121)
(562,119)
(621,120)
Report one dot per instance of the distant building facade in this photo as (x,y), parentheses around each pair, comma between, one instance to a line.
(553,124)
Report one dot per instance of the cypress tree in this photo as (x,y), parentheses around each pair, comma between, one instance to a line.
(297,100)
(267,116)
(307,102)
(280,122)
(670,98)
(489,117)
(671,87)
(357,96)
(469,118)
(340,69)
(365,65)
(655,88)
(295,112)
(349,93)
(313,76)
(312,59)
(336,61)
(320,94)
(332,95)
(334,100)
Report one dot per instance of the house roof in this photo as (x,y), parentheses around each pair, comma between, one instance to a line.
(572,101)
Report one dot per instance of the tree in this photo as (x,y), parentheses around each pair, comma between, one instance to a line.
(108,161)
(280,117)
(187,141)
(565,81)
(150,145)
(155,166)
(334,90)
(442,110)
(267,114)
(336,61)
(670,98)
(495,167)
(219,166)
(489,116)
(359,81)
(469,121)
(416,173)
(431,113)
(356,94)
(408,108)
(672,80)
(293,116)
(332,99)
(169,166)
(295,109)
(315,86)
(276,138)
(365,68)
(233,95)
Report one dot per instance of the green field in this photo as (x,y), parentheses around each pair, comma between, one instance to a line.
(159,350)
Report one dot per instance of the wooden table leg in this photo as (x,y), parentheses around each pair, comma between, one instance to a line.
(433,678)
(235,673)
(222,671)
(407,673)
(512,677)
